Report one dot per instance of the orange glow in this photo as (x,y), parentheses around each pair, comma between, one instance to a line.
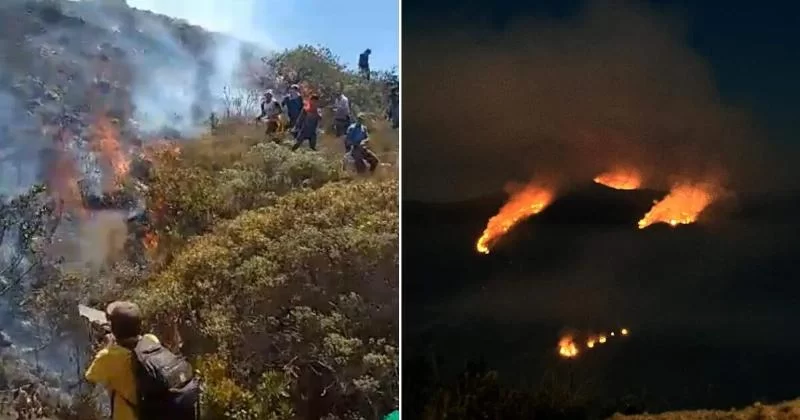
(528,201)
(106,142)
(620,179)
(62,178)
(567,347)
(306,92)
(591,341)
(681,206)
(150,241)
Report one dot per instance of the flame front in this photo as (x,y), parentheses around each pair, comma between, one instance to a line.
(527,202)
(620,179)
(567,347)
(106,142)
(681,206)
(62,177)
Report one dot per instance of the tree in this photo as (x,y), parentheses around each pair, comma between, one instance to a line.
(321,72)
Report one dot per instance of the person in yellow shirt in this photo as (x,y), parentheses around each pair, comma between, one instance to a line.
(113,365)
(145,379)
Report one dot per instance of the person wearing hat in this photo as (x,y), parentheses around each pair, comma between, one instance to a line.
(356,140)
(293,104)
(271,109)
(112,366)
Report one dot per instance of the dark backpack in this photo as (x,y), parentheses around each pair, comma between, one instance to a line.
(166,385)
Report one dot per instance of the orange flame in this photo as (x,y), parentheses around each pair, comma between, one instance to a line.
(620,179)
(62,178)
(567,347)
(150,241)
(106,142)
(306,92)
(682,205)
(528,201)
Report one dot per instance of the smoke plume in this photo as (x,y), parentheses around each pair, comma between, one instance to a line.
(615,85)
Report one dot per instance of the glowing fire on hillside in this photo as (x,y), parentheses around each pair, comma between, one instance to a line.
(62,177)
(105,139)
(681,206)
(524,203)
(569,348)
(620,179)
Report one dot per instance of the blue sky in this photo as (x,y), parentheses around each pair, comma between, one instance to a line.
(347,27)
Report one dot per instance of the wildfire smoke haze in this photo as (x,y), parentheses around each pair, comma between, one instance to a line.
(524,202)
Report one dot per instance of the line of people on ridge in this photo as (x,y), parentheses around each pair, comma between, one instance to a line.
(304,122)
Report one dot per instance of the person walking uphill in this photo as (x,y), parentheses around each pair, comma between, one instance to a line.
(356,142)
(293,104)
(363,63)
(341,114)
(307,124)
(271,109)
(146,381)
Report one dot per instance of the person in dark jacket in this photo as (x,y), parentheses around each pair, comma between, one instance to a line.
(293,104)
(356,141)
(307,124)
(363,63)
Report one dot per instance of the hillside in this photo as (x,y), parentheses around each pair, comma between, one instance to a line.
(786,410)
(714,295)
(274,271)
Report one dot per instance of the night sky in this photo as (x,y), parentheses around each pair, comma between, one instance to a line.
(750,50)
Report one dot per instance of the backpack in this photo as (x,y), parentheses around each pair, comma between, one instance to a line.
(166,385)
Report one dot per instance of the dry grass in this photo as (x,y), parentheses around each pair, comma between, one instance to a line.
(786,410)
(232,140)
